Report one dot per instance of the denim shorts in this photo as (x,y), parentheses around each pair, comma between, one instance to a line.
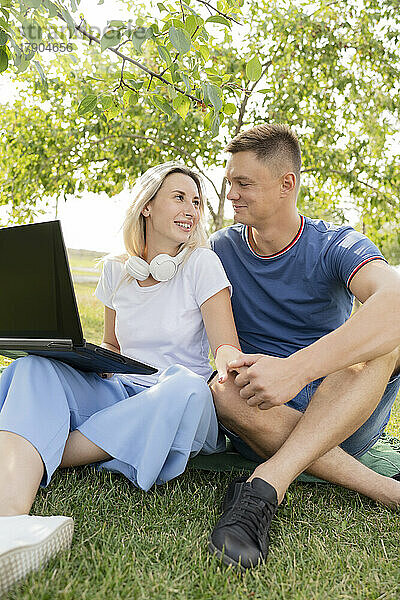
(357,444)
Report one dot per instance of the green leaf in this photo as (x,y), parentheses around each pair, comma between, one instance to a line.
(41,73)
(113,111)
(3,60)
(130,98)
(164,55)
(229,108)
(17,52)
(88,104)
(133,98)
(32,30)
(149,33)
(186,81)
(204,51)
(111,38)
(219,19)
(70,22)
(191,23)
(215,125)
(172,92)
(161,7)
(180,40)
(181,105)
(135,84)
(160,103)
(254,69)
(208,119)
(52,8)
(3,37)
(214,95)
(116,24)
(22,64)
(32,3)
(138,38)
(106,102)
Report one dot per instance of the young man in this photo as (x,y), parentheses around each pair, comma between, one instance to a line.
(314,389)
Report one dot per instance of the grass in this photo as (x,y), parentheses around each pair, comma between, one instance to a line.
(327,543)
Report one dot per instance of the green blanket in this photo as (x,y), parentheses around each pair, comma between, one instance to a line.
(384,458)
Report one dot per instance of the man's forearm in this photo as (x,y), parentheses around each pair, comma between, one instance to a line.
(372,331)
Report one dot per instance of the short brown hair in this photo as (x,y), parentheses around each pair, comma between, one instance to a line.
(271,143)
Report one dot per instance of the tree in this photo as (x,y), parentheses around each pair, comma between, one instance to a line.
(332,74)
(178,42)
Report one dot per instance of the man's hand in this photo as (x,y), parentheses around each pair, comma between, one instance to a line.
(267,381)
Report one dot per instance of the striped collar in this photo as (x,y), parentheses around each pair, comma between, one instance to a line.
(276,254)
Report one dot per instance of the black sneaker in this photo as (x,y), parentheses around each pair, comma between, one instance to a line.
(241,536)
(230,492)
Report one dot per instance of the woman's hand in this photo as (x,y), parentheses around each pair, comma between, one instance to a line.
(225,354)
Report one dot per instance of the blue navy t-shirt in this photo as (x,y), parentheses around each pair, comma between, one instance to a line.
(288,300)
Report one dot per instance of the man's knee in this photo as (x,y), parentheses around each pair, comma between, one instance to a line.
(391,361)
(225,398)
(386,365)
(244,420)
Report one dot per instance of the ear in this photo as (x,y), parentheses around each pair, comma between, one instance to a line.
(288,183)
(146,210)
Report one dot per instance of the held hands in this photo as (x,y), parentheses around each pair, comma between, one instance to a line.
(266,381)
(224,354)
(106,375)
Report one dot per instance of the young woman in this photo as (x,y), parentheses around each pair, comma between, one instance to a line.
(166,301)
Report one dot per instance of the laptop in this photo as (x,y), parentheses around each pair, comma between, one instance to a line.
(38,308)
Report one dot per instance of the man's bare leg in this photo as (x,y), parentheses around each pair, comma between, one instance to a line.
(307,442)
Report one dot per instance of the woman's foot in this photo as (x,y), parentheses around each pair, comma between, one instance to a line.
(28,542)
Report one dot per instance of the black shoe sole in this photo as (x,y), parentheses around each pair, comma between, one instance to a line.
(224,558)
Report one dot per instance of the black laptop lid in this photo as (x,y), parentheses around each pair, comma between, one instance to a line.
(36,293)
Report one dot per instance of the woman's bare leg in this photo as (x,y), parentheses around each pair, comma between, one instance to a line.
(21,471)
(21,468)
(79,450)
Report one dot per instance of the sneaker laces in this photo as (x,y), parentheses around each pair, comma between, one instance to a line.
(253,514)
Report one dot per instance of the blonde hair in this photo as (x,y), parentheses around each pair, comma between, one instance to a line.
(145,189)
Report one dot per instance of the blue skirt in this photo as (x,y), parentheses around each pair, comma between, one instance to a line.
(150,432)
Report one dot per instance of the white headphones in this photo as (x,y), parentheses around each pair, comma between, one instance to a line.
(163,267)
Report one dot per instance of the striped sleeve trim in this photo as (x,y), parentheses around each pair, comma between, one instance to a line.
(358,267)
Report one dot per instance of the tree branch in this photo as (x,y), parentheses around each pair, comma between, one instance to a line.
(210,6)
(137,64)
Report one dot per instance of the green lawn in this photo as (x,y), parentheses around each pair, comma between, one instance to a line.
(327,543)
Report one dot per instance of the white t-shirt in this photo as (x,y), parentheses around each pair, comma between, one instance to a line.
(162,324)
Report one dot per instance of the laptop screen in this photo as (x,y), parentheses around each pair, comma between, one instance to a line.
(36,294)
